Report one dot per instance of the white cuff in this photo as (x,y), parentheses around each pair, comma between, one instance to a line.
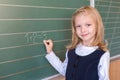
(50,56)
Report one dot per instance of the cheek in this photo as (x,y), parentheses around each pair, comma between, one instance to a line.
(77,31)
(93,31)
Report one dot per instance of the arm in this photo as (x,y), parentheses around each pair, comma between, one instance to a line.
(57,63)
(53,59)
(103,67)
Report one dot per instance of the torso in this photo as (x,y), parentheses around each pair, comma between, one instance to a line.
(83,67)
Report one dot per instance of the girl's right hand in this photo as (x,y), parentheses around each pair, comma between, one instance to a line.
(49,45)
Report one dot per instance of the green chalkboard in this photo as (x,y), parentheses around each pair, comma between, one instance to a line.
(110,12)
(24,24)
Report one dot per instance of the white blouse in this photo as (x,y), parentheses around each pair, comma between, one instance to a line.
(103,66)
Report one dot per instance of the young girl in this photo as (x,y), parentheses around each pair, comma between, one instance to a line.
(87,57)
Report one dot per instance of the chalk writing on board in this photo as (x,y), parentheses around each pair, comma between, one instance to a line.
(35,37)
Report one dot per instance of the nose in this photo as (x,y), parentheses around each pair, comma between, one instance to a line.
(83,29)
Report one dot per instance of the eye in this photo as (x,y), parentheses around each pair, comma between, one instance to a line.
(78,26)
(88,24)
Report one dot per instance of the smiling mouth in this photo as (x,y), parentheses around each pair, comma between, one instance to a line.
(84,35)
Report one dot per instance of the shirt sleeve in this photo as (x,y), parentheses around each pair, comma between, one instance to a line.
(103,67)
(57,63)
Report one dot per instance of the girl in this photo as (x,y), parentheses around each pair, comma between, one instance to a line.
(87,57)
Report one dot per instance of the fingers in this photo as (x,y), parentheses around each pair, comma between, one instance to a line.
(45,42)
(48,44)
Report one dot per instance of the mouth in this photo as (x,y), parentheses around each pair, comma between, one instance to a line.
(84,35)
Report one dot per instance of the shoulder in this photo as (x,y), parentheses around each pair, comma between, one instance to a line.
(106,54)
(71,50)
(105,58)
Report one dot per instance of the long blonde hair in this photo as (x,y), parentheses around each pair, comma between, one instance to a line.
(99,36)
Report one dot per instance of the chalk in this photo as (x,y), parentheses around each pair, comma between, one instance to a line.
(45,41)
(48,43)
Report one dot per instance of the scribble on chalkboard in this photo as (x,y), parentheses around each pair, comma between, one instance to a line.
(35,37)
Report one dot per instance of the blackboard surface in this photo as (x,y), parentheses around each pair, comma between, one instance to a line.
(24,24)
(110,12)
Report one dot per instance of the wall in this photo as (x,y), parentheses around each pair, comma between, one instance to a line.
(115,69)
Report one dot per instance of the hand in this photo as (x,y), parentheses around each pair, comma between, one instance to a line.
(48,44)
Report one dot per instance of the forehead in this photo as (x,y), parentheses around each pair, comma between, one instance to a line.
(83,19)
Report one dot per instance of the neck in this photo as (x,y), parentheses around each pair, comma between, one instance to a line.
(89,44)
(85,44)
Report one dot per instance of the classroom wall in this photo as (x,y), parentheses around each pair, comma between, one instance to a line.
(110,12)
(24,24)
(115,69)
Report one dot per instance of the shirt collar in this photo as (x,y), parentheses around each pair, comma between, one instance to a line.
(82,50)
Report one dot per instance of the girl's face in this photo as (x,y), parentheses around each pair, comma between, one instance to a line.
(85,29)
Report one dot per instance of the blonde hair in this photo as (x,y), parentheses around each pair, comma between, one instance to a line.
(99,36)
